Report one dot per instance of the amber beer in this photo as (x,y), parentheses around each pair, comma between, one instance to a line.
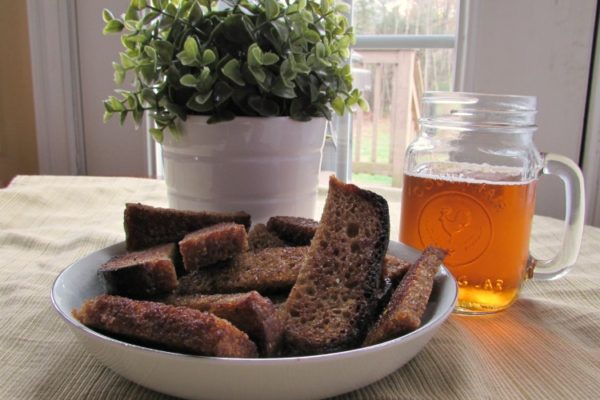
(485,225)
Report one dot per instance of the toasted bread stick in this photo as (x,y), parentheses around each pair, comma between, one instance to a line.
(336,292)
(260,238)
(211,244)
(408,302)
(267,271)
(176,328)
(142,274)
(147,226)
(296,231)
(250,312)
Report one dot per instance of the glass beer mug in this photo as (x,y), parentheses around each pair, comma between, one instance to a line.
(469,186)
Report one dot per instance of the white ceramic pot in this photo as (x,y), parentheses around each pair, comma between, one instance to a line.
(264,166)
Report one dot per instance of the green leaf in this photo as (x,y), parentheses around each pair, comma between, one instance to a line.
(258,73)
(269,58)
(131,100)
(271,9)
(126,61)
(306,16)
(174,130)
(192,104)
(119,75)
(232,71)
(208,57)
(116,104)
(131,25)
(283,90)
(342,8)
(138,115)
(189,55)
(147,72)
(150,52)
(320,50)
(107,116)
(139,4)
(157,134)
(190,46)
(362,103)
(122,117)
(286,71)
(113,26)
(205,80)
(238,29)
(281,29)
(195,13)
(188,80)
(149,96)
(149,17)
(176,109)
(338,105)
(312,36)
(107,16)
(255,55)
(164,51)
(203,97)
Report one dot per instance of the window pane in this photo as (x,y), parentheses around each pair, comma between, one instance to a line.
(393,81)
(404,17)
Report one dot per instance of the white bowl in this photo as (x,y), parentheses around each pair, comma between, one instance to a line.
(197,377)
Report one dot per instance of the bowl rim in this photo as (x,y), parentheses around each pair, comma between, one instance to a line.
(92,334)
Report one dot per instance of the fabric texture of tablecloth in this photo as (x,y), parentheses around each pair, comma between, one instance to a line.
(546,346)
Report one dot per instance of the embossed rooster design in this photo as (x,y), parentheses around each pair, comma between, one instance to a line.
(456,223)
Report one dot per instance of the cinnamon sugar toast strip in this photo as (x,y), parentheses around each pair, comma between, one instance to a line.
(408,302)
(260,238)
(250,312)
(295,231)
(336,293)
(212,244)
(176,328)
(267,271)
(147,226)
(142,274)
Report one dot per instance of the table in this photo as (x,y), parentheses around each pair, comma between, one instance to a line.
(546,346)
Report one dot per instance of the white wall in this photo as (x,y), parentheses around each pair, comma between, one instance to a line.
(535,47)
(110,149)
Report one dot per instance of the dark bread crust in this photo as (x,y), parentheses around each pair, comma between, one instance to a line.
(267,271)
(336,293)
(296,231)
(211,244)
(408,302)
(147,226)
(176,328)
(250,312)
(142,274)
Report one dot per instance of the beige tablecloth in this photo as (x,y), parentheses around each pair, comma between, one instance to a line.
(547,346)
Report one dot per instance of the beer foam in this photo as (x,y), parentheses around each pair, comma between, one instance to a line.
(471,173)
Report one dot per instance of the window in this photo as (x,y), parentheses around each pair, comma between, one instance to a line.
(403,48)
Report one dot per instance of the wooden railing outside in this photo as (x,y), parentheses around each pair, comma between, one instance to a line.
(380,137)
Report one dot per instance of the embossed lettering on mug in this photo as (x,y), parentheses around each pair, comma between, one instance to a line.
(484,224)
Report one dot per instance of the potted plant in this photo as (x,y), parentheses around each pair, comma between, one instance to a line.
(244,87)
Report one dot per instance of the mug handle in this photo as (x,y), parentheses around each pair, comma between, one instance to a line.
(570,174)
